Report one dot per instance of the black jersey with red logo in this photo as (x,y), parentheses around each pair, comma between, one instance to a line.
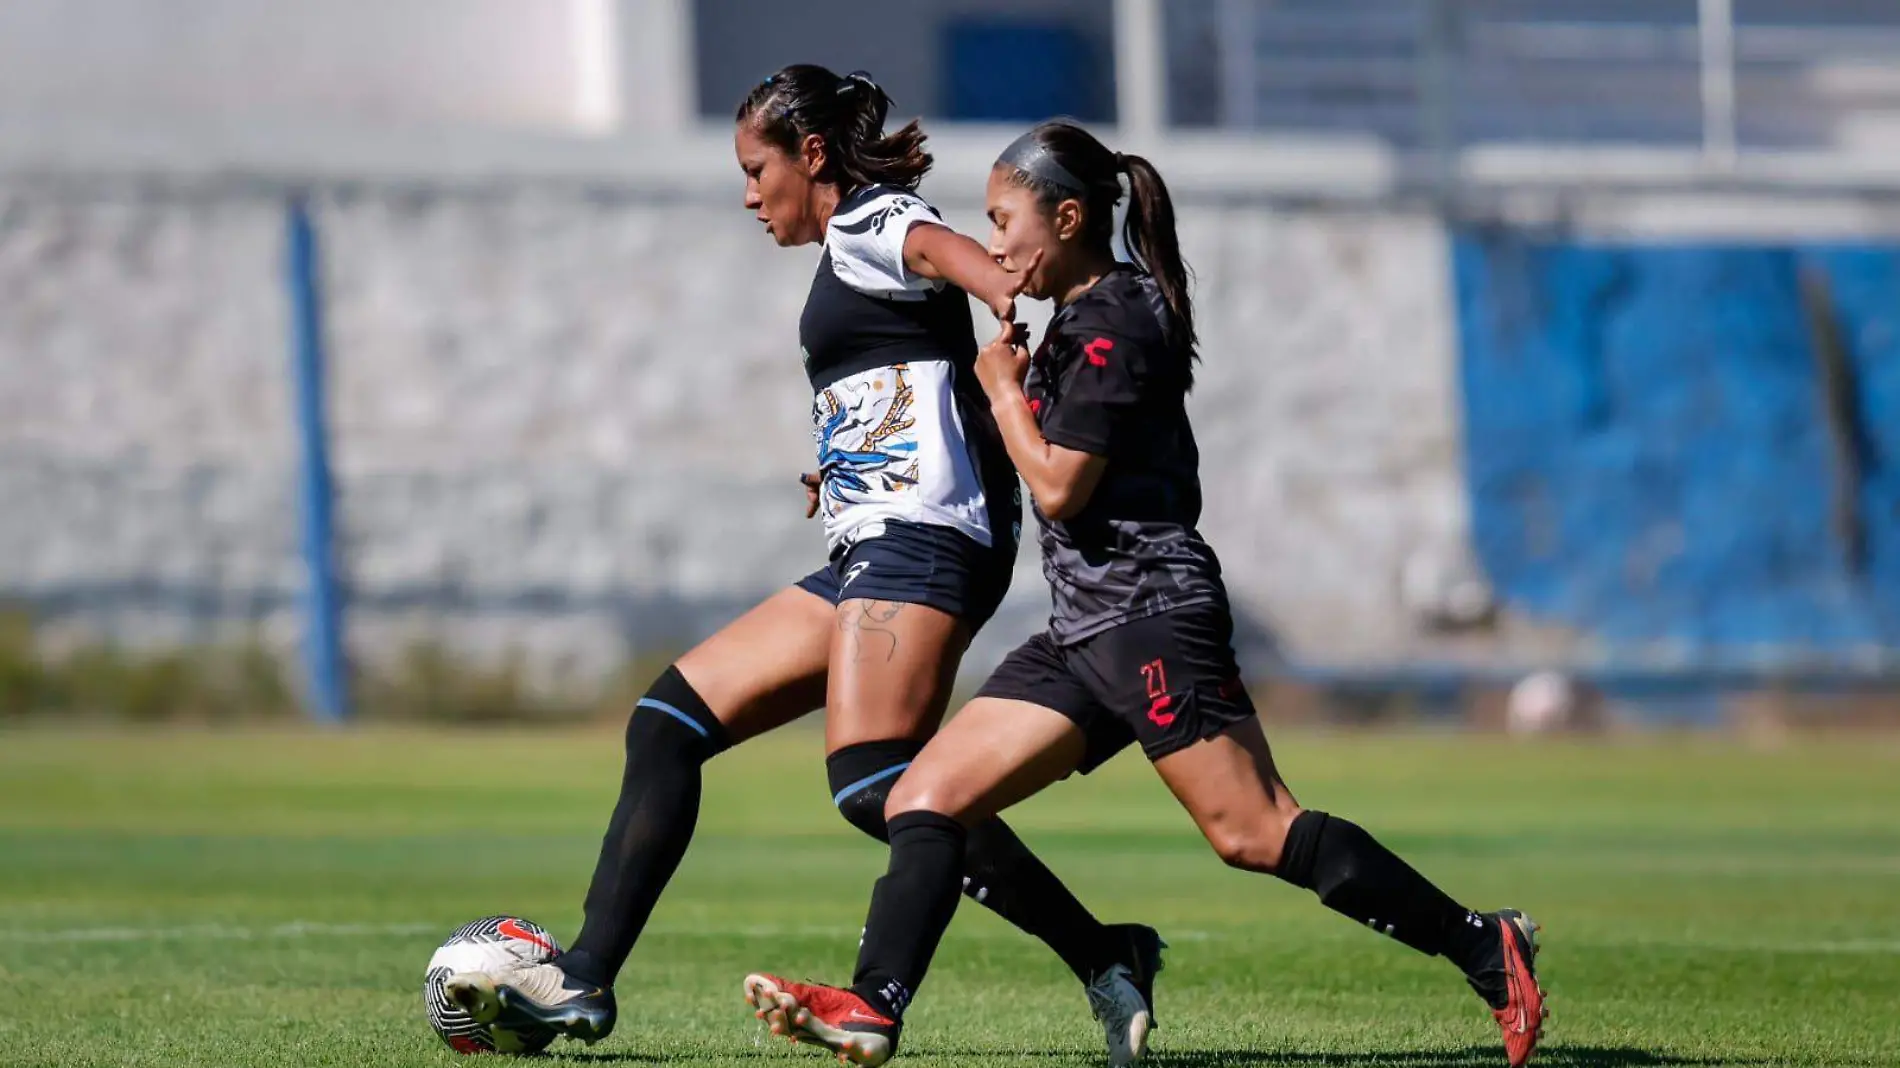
(1109,381)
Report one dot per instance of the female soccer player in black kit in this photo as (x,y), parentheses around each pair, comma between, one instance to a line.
(922,514)
(1139,646)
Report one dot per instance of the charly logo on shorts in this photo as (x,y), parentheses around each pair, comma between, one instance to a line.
(854,571)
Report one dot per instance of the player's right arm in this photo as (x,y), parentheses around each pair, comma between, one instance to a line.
(936,252)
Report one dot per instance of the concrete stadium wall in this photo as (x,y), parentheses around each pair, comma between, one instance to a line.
(568,422)
(547,65)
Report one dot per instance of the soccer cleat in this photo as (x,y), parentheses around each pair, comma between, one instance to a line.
(1514,981)
(1122,994)
(836,1019)
(536,995)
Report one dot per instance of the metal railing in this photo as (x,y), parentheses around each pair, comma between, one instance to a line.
(1722,76)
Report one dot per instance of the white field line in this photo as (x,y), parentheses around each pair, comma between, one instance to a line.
(307,929)
(213,931)
(304,929)
(1878,947)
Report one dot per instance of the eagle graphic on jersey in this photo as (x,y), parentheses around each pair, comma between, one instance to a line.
(864,439)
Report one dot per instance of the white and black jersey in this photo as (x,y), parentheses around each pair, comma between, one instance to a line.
(891,358)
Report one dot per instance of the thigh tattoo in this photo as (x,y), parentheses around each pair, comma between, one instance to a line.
(867,627)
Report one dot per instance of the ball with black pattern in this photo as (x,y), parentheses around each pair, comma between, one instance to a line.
(490,944)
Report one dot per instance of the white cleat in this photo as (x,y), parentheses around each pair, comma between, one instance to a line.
(1125,1015)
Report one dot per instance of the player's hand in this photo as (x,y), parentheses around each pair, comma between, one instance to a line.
(1004,305)
(811,481)
(1001,364)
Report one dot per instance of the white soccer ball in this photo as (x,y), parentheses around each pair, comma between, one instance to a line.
(492,944)
(1541,703)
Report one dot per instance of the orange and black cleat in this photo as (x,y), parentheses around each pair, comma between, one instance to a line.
(1523,1013)
(836,1019)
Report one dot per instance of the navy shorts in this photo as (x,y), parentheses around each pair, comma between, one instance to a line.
(920,563)
(1167,681)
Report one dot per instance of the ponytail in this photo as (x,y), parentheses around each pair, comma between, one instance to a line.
(848,113)
(1149,235)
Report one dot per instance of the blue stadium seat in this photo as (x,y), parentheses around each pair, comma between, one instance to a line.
(1020,71)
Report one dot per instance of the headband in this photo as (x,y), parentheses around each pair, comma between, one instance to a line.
(1030,157)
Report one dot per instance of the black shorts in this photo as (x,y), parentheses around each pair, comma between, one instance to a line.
(1166,681)
(918,563)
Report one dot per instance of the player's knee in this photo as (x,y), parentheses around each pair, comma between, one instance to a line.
(1252,842)
(917,793)
(907,796)
(865,811)
(719,679)
(1245,850)
(863,777)
(672,721)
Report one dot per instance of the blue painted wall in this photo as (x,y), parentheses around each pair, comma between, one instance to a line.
(1648,448)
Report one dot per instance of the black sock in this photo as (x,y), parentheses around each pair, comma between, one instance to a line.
(670,734)
(1356,876)
(1000,873)
(910,908)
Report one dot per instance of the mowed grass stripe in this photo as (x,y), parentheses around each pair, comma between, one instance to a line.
(1706,904)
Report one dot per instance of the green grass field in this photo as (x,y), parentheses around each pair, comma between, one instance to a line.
(193,898)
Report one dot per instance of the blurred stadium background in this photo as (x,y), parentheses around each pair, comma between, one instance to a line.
(415,360)
(1557,334)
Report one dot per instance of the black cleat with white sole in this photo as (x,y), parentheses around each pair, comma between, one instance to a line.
(537,995)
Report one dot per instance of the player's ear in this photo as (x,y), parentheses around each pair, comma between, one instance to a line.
(1068,220)
(811,154)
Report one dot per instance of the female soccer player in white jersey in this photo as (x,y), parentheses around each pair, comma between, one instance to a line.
(1139,646)
(921,513)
